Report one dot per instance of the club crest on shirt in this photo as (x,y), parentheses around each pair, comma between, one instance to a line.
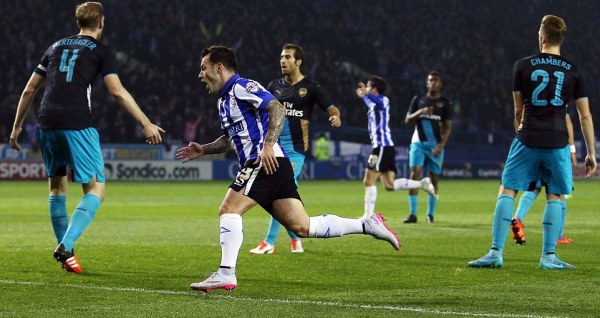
(252,87)
(302,92)
(439,104)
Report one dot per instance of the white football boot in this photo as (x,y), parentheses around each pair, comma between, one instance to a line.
(375,226)
(428,186)
(216,281)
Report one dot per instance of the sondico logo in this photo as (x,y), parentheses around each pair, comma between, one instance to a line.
(291,112)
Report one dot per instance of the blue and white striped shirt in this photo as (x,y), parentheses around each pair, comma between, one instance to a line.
(379,117)
(244,117)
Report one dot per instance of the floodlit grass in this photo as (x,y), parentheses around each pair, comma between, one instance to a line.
(149,241)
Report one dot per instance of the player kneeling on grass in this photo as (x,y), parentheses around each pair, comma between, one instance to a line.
(252,119)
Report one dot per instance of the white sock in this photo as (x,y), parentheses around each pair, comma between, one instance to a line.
(232,236)
(406,184)
(329,225)
(370,198)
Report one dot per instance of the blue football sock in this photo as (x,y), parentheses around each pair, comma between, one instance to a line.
(274,226)
(81,219)
(293,235)
(552,223)
(413,199)
(431,205)
(502,221)
(525,204)
(563,204)
(58,215)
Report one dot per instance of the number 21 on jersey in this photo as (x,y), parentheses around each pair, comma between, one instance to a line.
(68,65)
(545,79)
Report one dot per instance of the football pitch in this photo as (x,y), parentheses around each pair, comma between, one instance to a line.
(150,240)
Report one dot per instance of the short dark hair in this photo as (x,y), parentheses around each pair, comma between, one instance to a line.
(554,28)
(435,73)
(379,83)
(221,54)
(298,51)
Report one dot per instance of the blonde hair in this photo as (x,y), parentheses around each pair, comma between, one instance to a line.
(89,14)
(554,29)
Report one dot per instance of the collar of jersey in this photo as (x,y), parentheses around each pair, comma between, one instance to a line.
(228,84)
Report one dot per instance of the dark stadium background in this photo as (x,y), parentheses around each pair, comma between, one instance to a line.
(472,43)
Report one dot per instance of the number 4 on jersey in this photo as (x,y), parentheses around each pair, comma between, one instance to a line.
(68,67)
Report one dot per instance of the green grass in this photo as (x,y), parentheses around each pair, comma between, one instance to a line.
(149,241)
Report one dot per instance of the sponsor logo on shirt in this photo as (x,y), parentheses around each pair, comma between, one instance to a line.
(431,116)
(235,128)
(291,112)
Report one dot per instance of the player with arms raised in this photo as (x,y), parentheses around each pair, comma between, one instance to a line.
(381,163)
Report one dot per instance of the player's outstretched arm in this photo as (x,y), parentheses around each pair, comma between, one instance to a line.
(151,131)
(33,85)
(195,150)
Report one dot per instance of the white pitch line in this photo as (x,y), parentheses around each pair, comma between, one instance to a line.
(275,300)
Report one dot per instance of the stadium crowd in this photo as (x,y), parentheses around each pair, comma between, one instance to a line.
(473,44)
